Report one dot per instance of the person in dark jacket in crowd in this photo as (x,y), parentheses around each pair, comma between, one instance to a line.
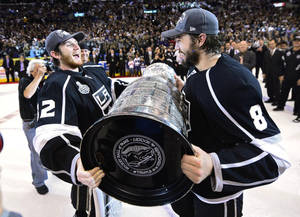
(9,66)
(245,56)
(21,66)
(274,67)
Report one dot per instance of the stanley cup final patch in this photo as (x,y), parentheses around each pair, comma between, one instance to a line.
(139,155)
(83,88)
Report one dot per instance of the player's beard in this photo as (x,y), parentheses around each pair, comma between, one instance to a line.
(70,62)
(192,57)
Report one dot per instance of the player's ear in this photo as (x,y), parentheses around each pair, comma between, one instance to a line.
(201,39)
(54,54)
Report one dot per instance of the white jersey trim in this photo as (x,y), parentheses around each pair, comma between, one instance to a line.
(92,66)
(225,209)
(227,182)
(73,168)
(63,109)
(244,163)
(217,180)
(49,131)
(219,200)
(273,148)
(112,89)
(59,172)
(69,144)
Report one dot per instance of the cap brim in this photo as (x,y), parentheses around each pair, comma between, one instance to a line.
(78,36)
(172,33)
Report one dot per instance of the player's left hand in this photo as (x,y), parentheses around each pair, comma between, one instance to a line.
(179,82)
(197,167)
(90,178)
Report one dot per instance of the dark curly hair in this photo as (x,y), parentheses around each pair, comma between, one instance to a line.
(212,43)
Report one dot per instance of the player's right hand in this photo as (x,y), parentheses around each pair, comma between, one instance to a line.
(197,167)
(91,178)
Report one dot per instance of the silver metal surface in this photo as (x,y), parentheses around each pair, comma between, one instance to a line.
(154,96)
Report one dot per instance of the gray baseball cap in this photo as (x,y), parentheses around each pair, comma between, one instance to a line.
(194,21)
(59,36)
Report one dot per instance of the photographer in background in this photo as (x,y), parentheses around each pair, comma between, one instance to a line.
(28,91)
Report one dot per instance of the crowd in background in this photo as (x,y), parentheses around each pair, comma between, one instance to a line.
(130,25)
(125,36)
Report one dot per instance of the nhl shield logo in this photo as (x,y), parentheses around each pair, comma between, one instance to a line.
(139,155)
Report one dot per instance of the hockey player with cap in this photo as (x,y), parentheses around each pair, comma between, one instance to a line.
(71,100)
(237,145)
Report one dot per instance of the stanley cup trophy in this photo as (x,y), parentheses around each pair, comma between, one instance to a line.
(140,143)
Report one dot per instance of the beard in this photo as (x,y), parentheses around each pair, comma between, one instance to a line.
(69,61)
(192,57)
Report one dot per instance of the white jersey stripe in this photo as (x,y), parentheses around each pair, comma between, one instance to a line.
(92,66)
(223,109)
(73,168)
(244,163)
(68,143)
(63,109)
(219,200)
(226,182)
(59,172)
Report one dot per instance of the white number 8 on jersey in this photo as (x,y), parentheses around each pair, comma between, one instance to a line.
(259,121)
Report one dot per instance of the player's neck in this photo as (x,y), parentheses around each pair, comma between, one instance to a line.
(207,61)
(65,67)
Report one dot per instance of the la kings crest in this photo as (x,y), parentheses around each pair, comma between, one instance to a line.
(103,99)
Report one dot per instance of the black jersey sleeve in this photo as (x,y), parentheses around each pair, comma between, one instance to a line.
(58,137)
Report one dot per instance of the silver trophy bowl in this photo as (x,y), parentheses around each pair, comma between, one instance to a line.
(141,141)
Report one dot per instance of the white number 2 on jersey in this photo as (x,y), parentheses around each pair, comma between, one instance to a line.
(47,106)
(259,121)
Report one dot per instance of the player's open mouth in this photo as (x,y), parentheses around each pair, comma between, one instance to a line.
(76,56)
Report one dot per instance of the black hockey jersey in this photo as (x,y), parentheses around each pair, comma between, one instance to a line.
(68,104)
(228,120)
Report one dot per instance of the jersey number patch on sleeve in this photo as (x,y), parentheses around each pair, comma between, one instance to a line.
(259,121)
(47,109)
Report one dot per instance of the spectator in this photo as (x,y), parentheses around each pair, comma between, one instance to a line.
(85,52)
(28,91)
(9,66)
(112,61)
(259,50)
(273,63)
(245,56)
(121,63)
(21,66)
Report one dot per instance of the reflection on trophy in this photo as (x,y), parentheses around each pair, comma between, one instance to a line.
(140,143)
